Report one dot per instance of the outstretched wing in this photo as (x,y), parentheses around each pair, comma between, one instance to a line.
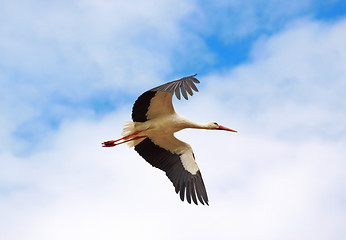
(158,101)
(176,159)
(185,84)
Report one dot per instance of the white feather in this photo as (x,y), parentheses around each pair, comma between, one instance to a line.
(189,162)
(129,128)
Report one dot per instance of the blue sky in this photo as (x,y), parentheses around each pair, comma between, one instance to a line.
(273,70)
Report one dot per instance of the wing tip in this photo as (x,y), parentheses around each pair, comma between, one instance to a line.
(182,86)
(193,190)
(186,86)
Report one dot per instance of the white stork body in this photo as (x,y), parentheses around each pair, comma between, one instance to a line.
(152,135)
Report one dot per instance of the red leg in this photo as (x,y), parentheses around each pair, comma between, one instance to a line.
(112,144)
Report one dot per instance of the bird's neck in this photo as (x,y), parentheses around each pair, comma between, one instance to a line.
(190,124)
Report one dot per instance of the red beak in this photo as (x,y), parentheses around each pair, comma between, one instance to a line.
(227,129)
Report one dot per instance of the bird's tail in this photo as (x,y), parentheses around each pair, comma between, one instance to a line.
(129,129)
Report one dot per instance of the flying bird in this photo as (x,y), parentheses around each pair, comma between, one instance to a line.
(151,133)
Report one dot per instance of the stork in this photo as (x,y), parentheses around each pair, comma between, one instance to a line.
(151,133)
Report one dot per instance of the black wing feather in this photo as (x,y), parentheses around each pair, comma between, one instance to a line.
(188,88)
(193,190)
(185,84)
(183,181)
(141,106)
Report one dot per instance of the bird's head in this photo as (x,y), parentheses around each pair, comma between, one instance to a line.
(215,126)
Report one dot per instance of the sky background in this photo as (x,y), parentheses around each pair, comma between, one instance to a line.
(273,70)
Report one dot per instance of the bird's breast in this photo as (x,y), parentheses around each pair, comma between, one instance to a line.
(165,125)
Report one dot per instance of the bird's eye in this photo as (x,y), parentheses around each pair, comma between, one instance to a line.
(215,123)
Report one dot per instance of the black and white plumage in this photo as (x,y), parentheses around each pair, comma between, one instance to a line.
(152,135)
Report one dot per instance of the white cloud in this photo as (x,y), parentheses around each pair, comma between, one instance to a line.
(57,56)
(97,44)
(295,80)
(264,188)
